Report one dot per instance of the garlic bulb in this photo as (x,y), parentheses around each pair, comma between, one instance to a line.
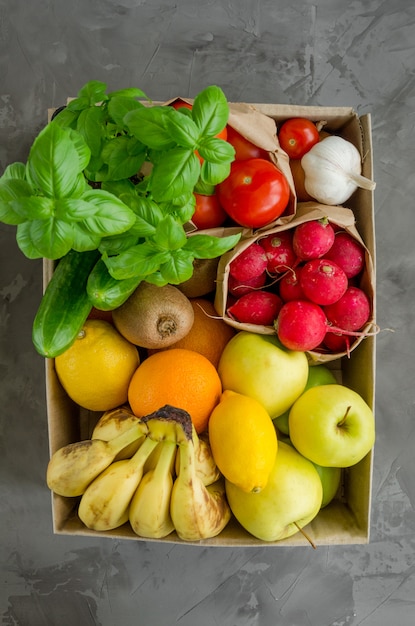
(332,170)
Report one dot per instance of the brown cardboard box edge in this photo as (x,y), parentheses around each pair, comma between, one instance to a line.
(346,520)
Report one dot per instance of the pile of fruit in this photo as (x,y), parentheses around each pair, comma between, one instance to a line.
(197,420)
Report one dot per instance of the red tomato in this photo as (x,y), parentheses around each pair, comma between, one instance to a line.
(180,104)
(208,212)
(244,149)
(297,135)
(255,193)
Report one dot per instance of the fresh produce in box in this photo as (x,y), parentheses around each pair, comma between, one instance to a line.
(186,438)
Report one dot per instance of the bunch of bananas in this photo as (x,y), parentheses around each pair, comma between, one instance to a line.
(154,472)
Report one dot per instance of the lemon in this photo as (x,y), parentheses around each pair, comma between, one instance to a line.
(97,368)
(243,441)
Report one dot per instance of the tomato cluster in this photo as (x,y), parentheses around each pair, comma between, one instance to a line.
(256,192)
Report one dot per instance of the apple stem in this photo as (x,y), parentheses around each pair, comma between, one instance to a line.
(310,541)
(344,417)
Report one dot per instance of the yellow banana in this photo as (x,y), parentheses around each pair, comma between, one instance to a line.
(72,468)
(113,423)
(206,467)
(198,512)
(106,501)
(150,507)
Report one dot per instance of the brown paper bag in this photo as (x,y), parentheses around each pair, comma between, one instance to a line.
(306,211)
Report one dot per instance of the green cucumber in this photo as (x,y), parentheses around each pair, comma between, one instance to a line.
(107,293)
(65,304)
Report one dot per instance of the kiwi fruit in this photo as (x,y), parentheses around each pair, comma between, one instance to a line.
(154,317)
(203,280)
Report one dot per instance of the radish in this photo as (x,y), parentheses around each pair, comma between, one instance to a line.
(239,288)
(279,250)
(347,253)
(250,263)
(311,240)
(351,311)
(290,287)
(257,307)
(322,281)
(337,342)
(301,325)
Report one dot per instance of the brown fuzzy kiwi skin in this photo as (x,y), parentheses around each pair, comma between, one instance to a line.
(154,317)
(203,280)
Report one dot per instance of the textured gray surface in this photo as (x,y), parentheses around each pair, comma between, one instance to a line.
(326,52)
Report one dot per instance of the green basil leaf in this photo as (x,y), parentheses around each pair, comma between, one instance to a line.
(82,149)
(129,92)
(210,111)
(90,125)
(178,268)
(182,129)
(118,243)
(149,126)
(169,234)
(139,260)
(83,239)
(66,118)
(111,215)
(205,189)
(147,215)
(157,279)
(214,173)
(119,187)
(73,209)
(175,175)
(14,171)
(52,238)
(121,104)
(55,161)
(183,211)
(34,207)
(12,190)
(210,247)
(125,156)
(216,150)
(25,243)
(94,91)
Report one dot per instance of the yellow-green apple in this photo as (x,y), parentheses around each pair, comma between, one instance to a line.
(330,479)
(258,366)
(332,426)
(291,498)
(317,375)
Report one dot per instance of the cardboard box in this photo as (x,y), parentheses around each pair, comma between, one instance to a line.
(346,520)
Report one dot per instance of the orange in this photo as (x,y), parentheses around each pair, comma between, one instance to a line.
(209,333)
(182,378)
(97,368)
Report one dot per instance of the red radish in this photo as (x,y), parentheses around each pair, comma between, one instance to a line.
(301,325)
(348,253)
(311,240)
(257,307)
(290,287)
(250,263)
(337,342)
(279,250)
(239,288)
(351,311)
(323,281)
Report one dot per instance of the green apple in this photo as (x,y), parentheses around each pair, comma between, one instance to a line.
(330,479)
(258,366)
(291,498)
(317,375)
(332,426)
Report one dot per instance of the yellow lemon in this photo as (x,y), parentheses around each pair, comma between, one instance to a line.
(97,368)
(243,441)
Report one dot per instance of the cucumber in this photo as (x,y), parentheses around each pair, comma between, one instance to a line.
(107,293)
(65,304)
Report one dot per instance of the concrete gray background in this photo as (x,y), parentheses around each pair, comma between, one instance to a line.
(325,52)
